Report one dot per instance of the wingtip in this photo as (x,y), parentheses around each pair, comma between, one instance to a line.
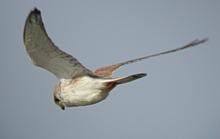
(140,75)
(130,78)
(204,40)
(34,16)
(198,41)
(35,11)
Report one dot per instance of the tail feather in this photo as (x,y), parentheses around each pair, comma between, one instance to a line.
(129,78)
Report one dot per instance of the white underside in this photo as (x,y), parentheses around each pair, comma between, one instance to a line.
(81,91)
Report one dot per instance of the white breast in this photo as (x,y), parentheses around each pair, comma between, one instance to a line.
(81,91)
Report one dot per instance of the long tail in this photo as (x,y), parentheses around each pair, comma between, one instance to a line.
(130,78)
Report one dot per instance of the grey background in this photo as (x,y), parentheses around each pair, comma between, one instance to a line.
(179,99)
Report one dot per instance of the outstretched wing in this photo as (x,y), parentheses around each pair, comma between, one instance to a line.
(45,54)
(107,71)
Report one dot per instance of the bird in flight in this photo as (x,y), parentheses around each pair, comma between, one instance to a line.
(77,86)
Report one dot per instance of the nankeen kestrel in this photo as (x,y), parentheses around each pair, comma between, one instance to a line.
(78,86)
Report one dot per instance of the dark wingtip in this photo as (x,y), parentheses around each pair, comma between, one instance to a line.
(140,75)
(205,39)
(34,16)
(35,11)
(197,41)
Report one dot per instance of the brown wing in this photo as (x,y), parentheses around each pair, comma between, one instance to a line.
(45,54)
(107,71)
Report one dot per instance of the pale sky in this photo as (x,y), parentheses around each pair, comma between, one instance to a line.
(178,99)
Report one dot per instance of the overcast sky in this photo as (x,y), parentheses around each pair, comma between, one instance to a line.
(178,99)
